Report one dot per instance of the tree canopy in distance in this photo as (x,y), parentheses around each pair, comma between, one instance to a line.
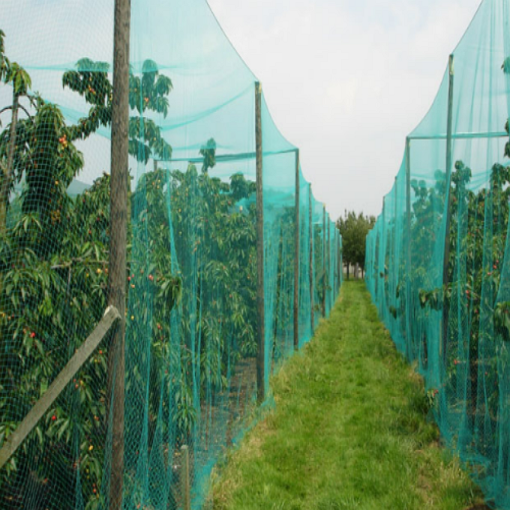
(354,229)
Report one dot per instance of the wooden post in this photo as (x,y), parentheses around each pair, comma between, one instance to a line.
(408,246)
(261,353)
(185,478)
(394,241)
(448,198)
(382,247)
(328,250)
(324,259)
(80,357)
(335,264)
(296,258)
(310,247)
(396,204)
(118,241)
(338,267)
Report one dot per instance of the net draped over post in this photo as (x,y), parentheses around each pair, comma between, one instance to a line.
(192,316)
(438,263)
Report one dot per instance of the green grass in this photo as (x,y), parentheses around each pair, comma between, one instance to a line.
(349,431)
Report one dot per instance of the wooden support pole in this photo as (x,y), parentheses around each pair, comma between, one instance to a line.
(394,241)
(333,265)
(261,353)
(312,268)
(396,203)
(382,247)
(185,478)
(324,260)
(328,251)
(58,385)
(338,267)
(408,247)
(296,257)
(118,241)
(448,198)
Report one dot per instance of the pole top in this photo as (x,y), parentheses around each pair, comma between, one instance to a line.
(258,87)
(451,65)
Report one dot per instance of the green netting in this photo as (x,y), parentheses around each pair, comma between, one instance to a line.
(438,260)
(192,320)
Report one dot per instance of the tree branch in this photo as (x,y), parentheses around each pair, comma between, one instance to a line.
(7,108)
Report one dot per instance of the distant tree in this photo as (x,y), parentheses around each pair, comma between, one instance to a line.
(354,229)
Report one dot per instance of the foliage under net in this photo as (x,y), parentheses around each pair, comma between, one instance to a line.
(192,320)
(438,261)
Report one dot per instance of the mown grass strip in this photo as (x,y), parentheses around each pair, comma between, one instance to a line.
(349,431)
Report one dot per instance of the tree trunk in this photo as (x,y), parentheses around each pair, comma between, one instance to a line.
(348,269)
(118,227)
(8,172)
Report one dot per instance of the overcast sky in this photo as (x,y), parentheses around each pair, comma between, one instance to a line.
(347,80)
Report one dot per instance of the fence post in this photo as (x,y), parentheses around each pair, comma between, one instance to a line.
(338,268)
(324,260)
(185,478)
(261,353)
(59,384)
(296,258)
(408,246)
(312,268)
(328,251)
(448,197)
(394,241)
(118,241)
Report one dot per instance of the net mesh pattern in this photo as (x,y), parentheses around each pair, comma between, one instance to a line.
(191,322)
(437,260)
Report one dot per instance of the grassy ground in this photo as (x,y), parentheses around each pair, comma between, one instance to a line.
(349,430)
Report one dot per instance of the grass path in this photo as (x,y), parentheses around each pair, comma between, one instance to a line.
(349,430)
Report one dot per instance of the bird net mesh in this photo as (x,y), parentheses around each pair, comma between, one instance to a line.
(438,260)
(192,321)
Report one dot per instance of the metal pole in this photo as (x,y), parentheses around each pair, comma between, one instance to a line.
(310,219)
(448,198)
(261,354)
(118,241)
(296,258)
